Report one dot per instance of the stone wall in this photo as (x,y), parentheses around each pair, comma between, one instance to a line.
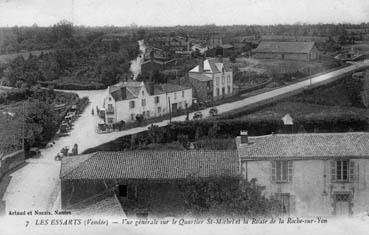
(10,161)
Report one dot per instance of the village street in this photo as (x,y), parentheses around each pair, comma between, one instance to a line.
(37,185)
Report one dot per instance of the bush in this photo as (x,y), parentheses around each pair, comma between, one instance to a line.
(226,196)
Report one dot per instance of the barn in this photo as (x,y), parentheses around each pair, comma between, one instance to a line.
(305,51)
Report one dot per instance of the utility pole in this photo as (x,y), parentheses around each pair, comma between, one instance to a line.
(170,111)
(23,124)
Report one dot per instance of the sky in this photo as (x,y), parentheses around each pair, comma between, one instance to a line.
(181,12)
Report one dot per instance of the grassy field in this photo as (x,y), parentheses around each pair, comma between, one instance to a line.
(300,110)
(282,66)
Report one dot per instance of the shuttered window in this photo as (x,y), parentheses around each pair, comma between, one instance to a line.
(281,171)
(343,171)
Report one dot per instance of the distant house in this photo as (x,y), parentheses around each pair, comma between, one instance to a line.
(211,80)
(125,101)
(142,180)
(305,51)
(311,174)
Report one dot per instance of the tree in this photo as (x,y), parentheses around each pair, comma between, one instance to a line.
(226,195)
(62,30)
(213,131)
(41,122)
(155,134)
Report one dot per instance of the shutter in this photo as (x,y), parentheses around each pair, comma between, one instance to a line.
(333,170)
(243,169)
(290,171)
(292,204)
(273,171)
(352,171)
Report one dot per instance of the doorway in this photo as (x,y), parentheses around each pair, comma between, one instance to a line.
(342,204)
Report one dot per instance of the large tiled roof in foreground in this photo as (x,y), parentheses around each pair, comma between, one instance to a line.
(160,165)
(310,145)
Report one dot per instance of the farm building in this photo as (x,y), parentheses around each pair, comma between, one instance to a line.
(140,181)
(304,51)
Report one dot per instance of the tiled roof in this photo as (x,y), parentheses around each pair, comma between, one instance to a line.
(212,65)
(156,165)
(169,87)
(284,47)
(116,92)
(200,77)
(134,90)
(311,145)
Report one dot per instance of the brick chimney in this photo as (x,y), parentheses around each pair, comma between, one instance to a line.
(244,137)
(151,87)
(201,65)
(124,92)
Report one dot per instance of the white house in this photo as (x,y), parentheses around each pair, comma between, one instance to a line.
(125,101)
(211,79)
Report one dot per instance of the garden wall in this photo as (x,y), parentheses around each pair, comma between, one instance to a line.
(10,161)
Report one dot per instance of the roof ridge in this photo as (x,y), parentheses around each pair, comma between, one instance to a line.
(311,134)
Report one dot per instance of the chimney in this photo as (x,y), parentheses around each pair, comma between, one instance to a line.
(244,137)
(151,88)
(124,92)
(201,65)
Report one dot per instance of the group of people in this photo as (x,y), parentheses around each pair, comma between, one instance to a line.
(65,152)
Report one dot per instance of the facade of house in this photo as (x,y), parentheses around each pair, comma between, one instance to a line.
(305,51)
(312,174)
(211,80)
(146,181)
(125,101)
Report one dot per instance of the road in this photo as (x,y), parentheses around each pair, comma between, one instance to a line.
(37,185)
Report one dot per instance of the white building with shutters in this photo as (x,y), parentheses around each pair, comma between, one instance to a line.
(311,174)
(127,100)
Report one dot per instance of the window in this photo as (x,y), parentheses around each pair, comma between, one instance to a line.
(217,91)
(132,104)
(143,93)
(183,93)
(208,85)
(159,110)
(127,191)
(175,95)
(281,171)
(342,171)
(217,81)
(143,102)
(229,89)
(110,108)
(109,98)
(122,190)
(132,116)
(223,79)
(148,114)
(157,99)
(228,79)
